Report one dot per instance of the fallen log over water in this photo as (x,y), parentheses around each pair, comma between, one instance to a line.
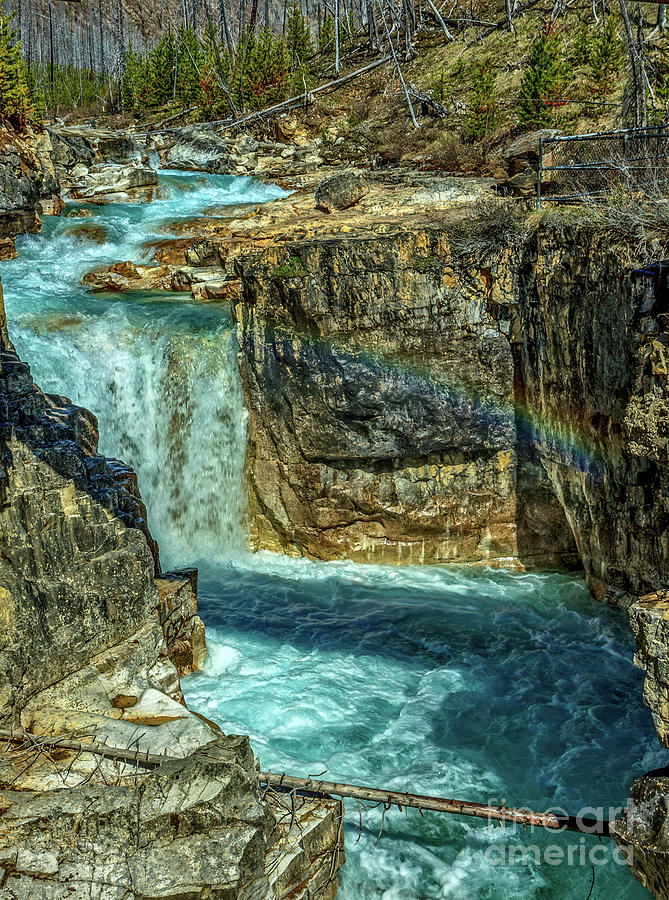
(402,799)
(389,798)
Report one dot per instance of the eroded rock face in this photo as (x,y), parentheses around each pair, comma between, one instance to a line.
(113,184)
(192,828)
(380,386)
(591,336)
(27,179)
(649,618)
(78,561)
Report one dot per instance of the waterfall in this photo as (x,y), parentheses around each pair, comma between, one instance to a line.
(159,371)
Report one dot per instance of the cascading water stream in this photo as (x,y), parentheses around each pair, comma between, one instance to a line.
(462,682)
(159,373)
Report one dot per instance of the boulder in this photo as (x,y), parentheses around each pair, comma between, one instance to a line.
(126,276)
(340,191)
(642,831)
(199,149)
(87,232)
(523,153)
(116,147)
(82,213)
(521,162)
(245,144)
(110,183)
(51,206)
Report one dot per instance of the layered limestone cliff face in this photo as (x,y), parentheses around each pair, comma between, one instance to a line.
(381,383)
(410,402)
(28,184)
(593,341)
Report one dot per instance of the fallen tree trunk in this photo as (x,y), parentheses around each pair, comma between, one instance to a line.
(174,118)
(401,799)
(299,100)
(389,798)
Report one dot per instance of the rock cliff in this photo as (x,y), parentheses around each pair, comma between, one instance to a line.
(592,340)
(380,383)
(28,184)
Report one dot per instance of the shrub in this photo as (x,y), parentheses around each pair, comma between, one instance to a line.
(487,227)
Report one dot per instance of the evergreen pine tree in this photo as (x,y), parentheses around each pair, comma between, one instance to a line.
(162,69)
(326,36)
(15,103)
(129,92)
(298,38)
(540,85)
(483,107)
(606,54)
(189,90)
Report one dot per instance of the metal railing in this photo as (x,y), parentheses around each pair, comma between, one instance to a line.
(590,166)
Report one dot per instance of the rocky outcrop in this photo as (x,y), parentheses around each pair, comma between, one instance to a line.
(642,832)
(114,184)
(193,828)
(521,163)
(78,563)
(101,166)
(380,382)
(27,183)
(200,148)
(649,617)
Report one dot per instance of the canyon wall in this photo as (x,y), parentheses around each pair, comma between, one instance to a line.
(381,384)
(592,339)
(28,184)
(411,402)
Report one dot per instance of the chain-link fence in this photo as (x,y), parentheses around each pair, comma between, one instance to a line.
(591,166)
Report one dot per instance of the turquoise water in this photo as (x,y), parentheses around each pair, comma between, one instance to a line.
(473,683)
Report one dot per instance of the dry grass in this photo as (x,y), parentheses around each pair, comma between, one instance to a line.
(633,223)
(488,227)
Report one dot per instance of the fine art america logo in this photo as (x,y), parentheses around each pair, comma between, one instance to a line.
(581,840)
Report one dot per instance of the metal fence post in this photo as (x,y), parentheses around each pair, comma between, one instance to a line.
(541,162)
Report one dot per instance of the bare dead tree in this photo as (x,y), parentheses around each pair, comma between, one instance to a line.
(509,16)
(399,69)
(337,50)
(661,22)
(439,18)
(224,28)
(636,94)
